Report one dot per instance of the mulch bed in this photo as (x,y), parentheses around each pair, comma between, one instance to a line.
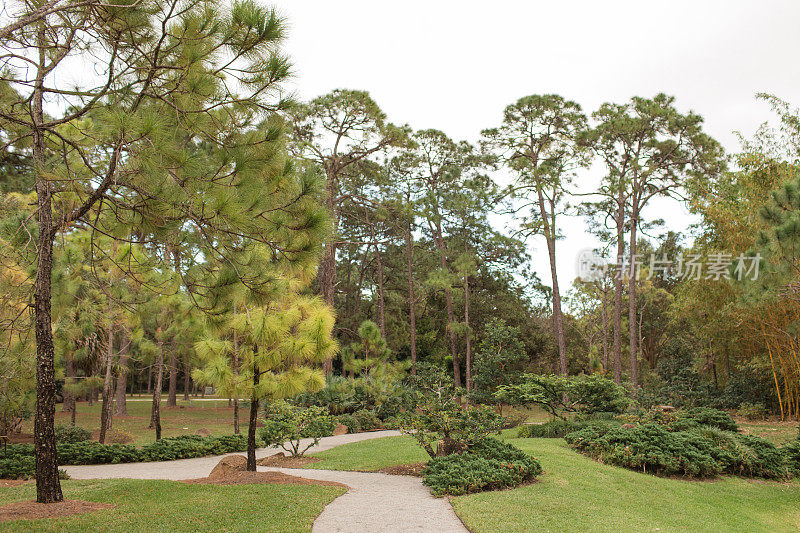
(33,510)
(248,478)
(286,461)
(413,469)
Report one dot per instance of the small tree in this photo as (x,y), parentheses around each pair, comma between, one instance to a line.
(287,425)
(500,360)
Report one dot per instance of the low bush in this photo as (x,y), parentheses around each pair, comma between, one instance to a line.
(704,416)
(367,419)
(94,453)
(350,422)
(72,434)
(286,425)
(702,451)
(558,428)
(17,467)
(753,411)
(488,465)
(791,452)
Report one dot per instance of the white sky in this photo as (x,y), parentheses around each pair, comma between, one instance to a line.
(455,65)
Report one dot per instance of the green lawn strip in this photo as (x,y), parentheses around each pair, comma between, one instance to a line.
(779,433)
(214,416)
(370,455)
(152,506)
(578,494)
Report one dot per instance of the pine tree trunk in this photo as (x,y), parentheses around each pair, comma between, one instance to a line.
(381,300)
(155,418)
(48,486)
(120,403)
(412,318)
(251,430)
(105,408)
(327,268)
(633,337)
(186,379)
(69,377)
(172,397)
(617,346)
(558,316)
(604,319)
(468,354)
(236,373)
(448,298)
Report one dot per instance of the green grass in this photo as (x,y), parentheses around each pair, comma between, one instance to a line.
(578,494)
(153,506)
(370,455)
(215,416)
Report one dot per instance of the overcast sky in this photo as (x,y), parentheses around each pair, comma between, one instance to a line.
(454,66)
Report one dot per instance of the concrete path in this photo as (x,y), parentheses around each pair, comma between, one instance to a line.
(201,466)
(379,503)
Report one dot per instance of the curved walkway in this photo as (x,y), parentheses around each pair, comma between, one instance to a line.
(376,502)
(201,466)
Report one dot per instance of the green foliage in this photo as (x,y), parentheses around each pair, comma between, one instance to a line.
(387,397)
(168,449)
(699,452)
(499,360)
(440,418)
(17,467)
(791,452)
(362,420)
(559,394)
(71,434)
(753,411)
(286,425)
(558,428)
(487,465)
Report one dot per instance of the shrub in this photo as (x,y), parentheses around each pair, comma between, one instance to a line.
(558,428)
(190,446)
(753,411)
(17,467)
(451,427)
(286,425)
(94,453)
(367,419)
(704,416)
(488,465)
(703,451)
(791,452)
(71,434)
(350,422)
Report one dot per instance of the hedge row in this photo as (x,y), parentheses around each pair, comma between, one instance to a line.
(17,462)
(698,452)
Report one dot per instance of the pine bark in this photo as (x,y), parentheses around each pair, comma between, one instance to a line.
(120,402)
(251,430)
(617,345)
(108,383)
(412,318)
(48,486)
(155,417)
(448,298)
(632,333)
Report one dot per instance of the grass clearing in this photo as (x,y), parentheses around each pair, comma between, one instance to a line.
(214,415)
(155,506)
(370,455)
(777,432)
(578,494)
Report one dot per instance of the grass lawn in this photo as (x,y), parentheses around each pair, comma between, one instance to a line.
(214,415)
(370,455)
(150,506)
(578,494)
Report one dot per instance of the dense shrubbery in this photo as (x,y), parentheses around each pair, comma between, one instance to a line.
(698,452)
(286,425)
(71,434)
(792,454)
(683,419)
(558,428)
(560,394)
(18,458)
(753,411)
(347,395)
(362,420)
(487,465)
